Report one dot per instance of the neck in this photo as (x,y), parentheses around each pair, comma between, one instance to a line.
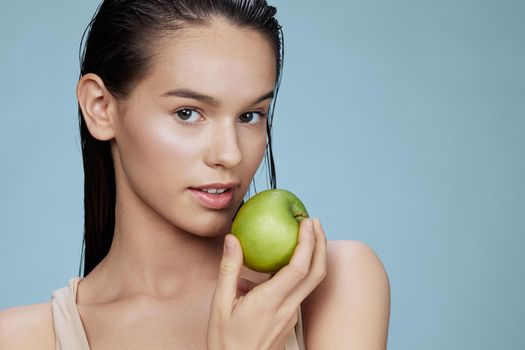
(150,256)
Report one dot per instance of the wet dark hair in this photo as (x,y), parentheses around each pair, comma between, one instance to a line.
(119,49)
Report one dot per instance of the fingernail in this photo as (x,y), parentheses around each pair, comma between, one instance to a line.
(309,224)
(228,244)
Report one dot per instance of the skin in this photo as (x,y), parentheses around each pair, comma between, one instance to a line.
(167,245)
(166,241)
(166,282)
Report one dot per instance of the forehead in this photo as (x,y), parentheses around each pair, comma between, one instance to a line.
(217,59)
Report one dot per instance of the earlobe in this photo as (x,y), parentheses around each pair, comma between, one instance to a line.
(98,106)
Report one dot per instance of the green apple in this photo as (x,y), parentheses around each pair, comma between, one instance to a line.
(267,227)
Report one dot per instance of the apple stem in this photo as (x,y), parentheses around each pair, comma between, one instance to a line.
(298,211)
(300,217)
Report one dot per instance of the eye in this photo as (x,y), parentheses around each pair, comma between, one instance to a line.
(188,115)
(252,117)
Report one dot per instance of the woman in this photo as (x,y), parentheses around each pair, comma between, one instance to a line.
(175,106)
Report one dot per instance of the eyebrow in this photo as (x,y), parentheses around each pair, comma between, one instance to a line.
(187,93)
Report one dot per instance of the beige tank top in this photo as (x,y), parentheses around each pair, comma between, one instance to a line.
(70,334)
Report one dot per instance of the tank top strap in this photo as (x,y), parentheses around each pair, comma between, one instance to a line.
(69,331)
(296,339)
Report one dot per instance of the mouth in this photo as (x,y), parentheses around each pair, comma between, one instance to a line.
(214,198)
(215,191)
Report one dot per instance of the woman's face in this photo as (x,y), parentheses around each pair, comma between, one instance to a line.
(171,138)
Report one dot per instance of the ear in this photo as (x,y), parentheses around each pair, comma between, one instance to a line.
(99,107)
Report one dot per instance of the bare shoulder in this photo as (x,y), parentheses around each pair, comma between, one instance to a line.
(356,252)
(27,327)
(350,308)
(354,262)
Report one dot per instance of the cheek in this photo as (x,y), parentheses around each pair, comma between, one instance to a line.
(155,159)
(253,146)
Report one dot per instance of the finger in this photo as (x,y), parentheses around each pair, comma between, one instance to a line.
(229,270)
(286,279)
(316,274)
(245,285)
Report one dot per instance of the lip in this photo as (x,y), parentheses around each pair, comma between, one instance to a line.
(215,201)
(218,185)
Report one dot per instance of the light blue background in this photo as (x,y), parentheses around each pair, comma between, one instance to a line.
(400,124)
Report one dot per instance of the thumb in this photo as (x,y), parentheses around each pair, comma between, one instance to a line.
(229,270)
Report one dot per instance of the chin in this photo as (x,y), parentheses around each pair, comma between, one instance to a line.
(209,226)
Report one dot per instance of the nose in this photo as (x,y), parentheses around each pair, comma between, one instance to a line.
(224,150)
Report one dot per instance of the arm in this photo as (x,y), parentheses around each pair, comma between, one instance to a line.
(350,309)
(27,327)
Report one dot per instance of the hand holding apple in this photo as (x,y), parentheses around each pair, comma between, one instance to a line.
(267,227)
(264,317)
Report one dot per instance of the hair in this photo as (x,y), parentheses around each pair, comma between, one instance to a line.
(119,49)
